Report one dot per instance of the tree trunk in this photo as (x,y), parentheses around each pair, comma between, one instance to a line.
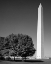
(22,59)
(14,58)
(25,58)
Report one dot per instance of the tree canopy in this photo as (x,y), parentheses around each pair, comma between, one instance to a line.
(17,45)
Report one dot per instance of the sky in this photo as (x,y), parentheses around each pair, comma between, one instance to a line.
(20,16)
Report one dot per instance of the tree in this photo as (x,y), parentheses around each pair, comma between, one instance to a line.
(2,39)
(11,42)
(18,45)
(25,46)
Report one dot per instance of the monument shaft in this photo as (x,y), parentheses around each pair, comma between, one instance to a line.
(40,33)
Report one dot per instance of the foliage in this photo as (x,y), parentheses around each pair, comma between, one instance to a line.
(1,42)
(17,45)
(25,46)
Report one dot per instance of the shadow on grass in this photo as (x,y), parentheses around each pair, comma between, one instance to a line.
(34,61)
(2,59)
(20,60)
(26,61)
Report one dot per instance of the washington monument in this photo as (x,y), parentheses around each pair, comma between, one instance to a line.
(40,33)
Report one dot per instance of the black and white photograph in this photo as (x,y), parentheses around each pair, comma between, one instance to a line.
(25,31)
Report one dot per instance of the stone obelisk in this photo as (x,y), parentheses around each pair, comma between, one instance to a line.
(40,33)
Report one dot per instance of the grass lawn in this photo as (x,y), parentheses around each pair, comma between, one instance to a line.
(45,61)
